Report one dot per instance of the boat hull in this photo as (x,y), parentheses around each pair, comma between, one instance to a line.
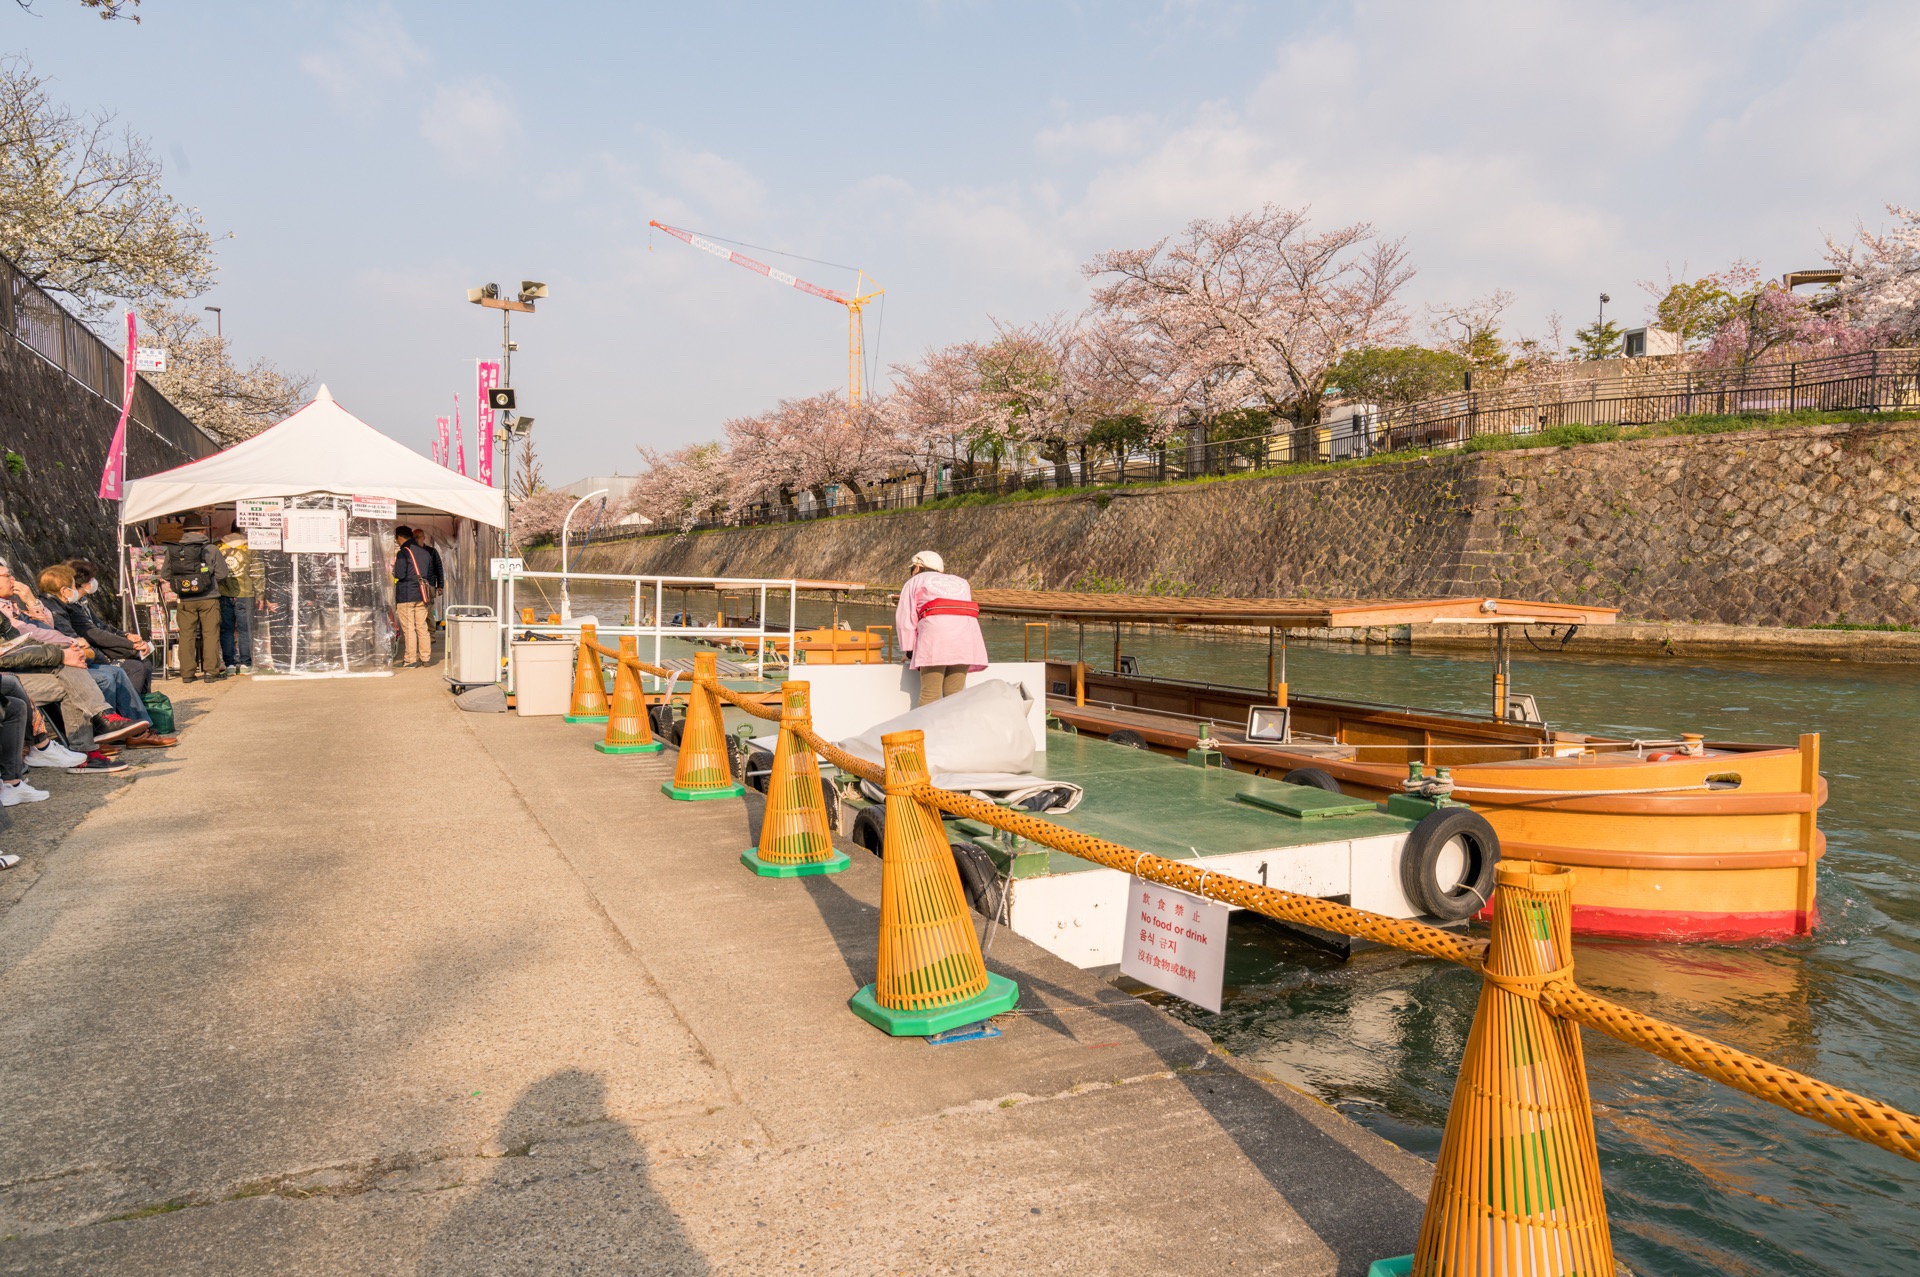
(1694,864)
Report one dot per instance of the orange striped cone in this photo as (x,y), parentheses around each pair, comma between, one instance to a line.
(1517,1188)
(628,731)
(796,840)
(589,689)
(931,977)
(702,770)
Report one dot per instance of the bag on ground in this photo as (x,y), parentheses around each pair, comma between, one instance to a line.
(160,710)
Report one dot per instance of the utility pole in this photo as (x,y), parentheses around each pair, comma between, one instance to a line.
(531,290)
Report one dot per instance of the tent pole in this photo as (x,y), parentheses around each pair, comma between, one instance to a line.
(293,658)
(340,584)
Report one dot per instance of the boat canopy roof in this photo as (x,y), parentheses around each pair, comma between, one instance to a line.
(1286,614)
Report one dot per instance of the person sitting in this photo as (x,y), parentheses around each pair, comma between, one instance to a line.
(16,721)
(114,682)
(938,627)
(133,653)
(54,675)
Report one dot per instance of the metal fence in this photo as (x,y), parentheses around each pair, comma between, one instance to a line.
(1872,379)
(43,326)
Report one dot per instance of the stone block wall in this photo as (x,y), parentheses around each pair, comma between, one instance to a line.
(1796,527)
(60,430)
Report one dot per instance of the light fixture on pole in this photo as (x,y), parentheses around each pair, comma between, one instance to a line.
(566,601)
(488,295)
(217,334)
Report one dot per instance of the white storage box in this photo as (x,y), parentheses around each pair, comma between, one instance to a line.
(473,645)
(543,677)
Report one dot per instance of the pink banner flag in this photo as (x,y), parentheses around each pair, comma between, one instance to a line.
(113,478)
(459,438)
(489,377)
(441,452)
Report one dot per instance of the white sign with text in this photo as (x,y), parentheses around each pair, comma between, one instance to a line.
(314,532)
(1175,942)
(258,512)
(375,508)
(501,569)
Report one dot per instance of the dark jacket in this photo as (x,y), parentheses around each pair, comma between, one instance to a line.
(19,654)
(77,620)
(414,566)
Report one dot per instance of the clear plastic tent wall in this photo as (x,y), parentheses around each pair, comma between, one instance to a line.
(323,613)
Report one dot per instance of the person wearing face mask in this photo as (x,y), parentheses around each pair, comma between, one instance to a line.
(128,651)
(115,684)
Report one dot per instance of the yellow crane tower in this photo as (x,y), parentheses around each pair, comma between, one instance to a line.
(855,354)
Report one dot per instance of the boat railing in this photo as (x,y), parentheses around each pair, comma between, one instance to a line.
(1517,1187)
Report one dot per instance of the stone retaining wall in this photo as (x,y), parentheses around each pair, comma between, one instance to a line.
(1797,527)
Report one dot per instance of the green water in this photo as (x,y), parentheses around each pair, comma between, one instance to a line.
(1700,1180)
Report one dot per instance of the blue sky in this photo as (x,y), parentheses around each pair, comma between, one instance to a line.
(373,160)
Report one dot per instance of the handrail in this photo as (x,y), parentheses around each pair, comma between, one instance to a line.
(1848,1112)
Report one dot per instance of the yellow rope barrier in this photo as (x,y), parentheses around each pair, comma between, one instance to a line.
(1845,1111)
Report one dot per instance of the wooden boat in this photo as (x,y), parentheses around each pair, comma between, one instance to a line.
(1677,839)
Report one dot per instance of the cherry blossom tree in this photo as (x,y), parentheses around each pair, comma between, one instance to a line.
(537,517)
(680,489)
(939,407)
(1881,282)
(227,401)
(1257,307)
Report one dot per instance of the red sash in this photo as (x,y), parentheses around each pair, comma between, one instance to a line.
(946,607)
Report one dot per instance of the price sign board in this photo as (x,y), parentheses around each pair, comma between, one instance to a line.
(315,532)
(258,512)
(1175,942)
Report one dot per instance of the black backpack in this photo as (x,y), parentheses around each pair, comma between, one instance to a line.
(189,572)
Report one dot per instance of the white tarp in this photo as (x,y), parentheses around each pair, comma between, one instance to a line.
(321,448)
(982,730)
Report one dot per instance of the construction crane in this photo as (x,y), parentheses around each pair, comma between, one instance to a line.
(855,355)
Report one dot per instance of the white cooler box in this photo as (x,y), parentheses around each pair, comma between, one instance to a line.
(543,677)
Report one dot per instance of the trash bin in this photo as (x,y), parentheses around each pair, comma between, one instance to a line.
(473,645)
(542,676)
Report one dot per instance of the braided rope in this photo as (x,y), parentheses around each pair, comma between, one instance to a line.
(1845,1111)
(1851,1114)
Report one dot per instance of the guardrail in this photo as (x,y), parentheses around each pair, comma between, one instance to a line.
(1516,1189)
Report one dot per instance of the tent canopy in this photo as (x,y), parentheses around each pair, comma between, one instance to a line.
(321,448)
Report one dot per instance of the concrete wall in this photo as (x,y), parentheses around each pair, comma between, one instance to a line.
(1789,527)
(61,431)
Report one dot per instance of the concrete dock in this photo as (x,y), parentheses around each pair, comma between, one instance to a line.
(352,982)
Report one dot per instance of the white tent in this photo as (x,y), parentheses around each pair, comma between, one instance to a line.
(321,448)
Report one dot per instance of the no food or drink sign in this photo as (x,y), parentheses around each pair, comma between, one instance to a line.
(1175,942)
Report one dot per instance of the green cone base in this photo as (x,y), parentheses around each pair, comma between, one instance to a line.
(585,718)
(1001,995)
(653,748)
(1400,1267)
(701,795)
(805,869)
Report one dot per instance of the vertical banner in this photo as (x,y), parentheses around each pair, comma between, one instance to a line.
(443,452)
(459,438)
(488,376)
(113,477)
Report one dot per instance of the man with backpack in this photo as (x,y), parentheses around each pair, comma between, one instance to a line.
(416,575)
(194,572)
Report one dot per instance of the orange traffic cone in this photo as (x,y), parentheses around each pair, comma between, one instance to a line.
(1517,1188)
(589,690)
(931,976)
(702,770)
(628,731)
(796,840)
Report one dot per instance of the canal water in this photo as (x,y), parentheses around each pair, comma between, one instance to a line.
(1701,1181)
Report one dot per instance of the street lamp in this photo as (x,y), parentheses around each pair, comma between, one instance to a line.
(566,601)
(488,295)
(217,334)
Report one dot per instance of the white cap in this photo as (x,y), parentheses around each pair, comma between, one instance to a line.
(930,561)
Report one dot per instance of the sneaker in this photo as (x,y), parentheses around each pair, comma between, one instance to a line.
(99,762)
(14,795)
(118,728)
(188,678)
(217,676)
(246,669)
(231,669)
(54,754)
(8,860)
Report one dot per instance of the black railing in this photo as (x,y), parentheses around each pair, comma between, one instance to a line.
(1869,380)
(43,326)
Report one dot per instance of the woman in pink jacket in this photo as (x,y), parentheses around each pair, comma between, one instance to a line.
(938,625)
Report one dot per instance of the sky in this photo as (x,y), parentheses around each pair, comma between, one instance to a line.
(374,160)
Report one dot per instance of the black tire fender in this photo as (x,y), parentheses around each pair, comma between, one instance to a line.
(870,828)
(979,878)
(1127,738)
(1441,836)
(1312,778)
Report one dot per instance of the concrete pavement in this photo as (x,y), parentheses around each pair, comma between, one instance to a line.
(358,983)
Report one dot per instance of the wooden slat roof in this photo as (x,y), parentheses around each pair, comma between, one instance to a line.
(1289,614)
